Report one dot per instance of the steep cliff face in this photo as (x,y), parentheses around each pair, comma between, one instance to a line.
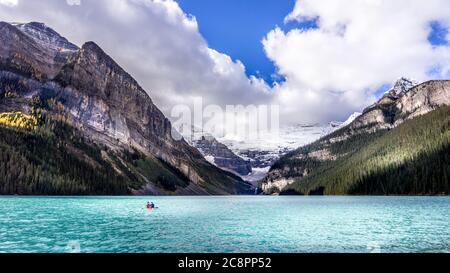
(222,156)
(40,69)
(103,97)
(423,99)
(388,134)
(214,151)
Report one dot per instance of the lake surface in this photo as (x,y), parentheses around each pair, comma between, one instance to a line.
(225,224)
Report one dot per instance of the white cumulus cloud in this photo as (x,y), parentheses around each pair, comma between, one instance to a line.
(358,46)
(9,3)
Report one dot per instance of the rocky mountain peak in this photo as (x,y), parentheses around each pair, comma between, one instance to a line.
(93,53)
(402,103)
(45,36)
(402,85)
(93,47)
(95,72)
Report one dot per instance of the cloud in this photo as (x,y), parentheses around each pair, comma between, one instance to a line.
(9,3)
(73,2)
(358,46)
(156,42)
(329,71)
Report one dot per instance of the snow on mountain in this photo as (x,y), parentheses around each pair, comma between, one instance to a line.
(257,174)
(46,36)
(350,119)
(210,159)
(263,151)
(288,138)
(401,86)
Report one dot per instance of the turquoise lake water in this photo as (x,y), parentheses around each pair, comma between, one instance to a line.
(225,224)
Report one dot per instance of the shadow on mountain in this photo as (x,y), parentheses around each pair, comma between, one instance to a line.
(426,174)
(291,192)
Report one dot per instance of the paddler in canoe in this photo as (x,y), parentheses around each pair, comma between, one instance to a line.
(150,205)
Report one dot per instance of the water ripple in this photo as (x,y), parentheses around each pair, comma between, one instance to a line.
(225,224)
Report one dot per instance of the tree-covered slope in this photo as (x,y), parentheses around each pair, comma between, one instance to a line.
(53,158)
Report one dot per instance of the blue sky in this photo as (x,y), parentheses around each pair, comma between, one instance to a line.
(438,34)
(236,27)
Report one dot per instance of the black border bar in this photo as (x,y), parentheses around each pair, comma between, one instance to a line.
(255,262)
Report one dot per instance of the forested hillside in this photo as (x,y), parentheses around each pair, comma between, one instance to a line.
(53,159)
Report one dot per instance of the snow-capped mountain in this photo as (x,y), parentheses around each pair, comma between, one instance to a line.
(402,85)
(263,151)
(350,119)
(46,36)
(233,153)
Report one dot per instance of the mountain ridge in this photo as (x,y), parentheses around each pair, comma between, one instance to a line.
(45,35)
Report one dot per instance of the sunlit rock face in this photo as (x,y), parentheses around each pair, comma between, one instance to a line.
(401,86)
(276,185)
(102,100)
(111,102)
(424,98)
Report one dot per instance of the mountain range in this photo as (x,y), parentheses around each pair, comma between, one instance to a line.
(74,122)
(251,158)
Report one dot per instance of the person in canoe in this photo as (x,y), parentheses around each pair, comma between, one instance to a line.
(150,205)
